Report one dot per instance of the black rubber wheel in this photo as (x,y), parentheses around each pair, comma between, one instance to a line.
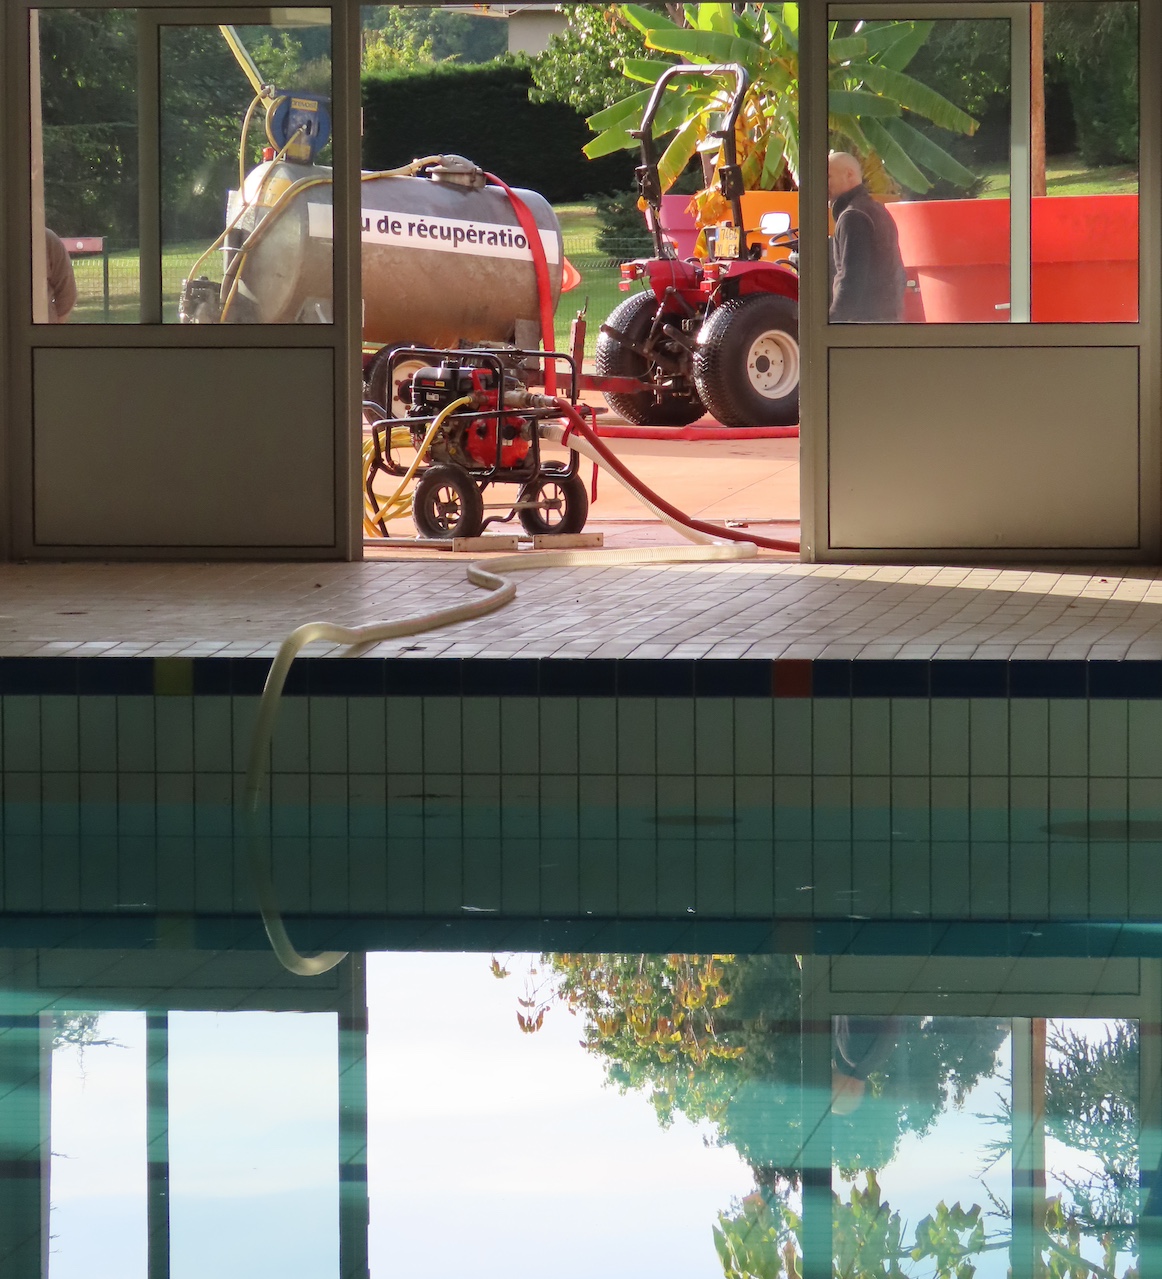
(447,503)
(571,513)
(633,317)
(746,364)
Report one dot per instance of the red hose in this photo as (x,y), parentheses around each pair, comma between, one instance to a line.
(541,267)
(577,423)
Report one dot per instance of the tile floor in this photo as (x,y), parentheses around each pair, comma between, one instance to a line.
(762,609)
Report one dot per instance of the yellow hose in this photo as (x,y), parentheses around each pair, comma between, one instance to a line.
(242,138)
(396,503)
(276,209)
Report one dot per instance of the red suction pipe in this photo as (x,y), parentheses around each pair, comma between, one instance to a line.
(577,423)
(541,265)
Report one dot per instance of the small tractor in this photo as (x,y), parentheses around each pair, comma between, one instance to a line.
(719,334)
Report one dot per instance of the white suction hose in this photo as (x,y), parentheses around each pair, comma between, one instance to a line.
(358,638)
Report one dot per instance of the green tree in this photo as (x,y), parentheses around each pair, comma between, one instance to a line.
(88,62)
(424,33)
(583,64)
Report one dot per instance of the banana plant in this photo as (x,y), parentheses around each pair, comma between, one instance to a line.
(870,98)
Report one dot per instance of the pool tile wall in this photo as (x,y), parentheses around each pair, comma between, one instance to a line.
(589,790)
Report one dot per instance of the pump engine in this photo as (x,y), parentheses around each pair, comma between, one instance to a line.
(493,438)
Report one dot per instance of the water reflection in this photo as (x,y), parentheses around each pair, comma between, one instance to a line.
(563,1115)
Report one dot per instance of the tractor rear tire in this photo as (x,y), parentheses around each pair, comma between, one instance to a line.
(447,503)
(634,317)
(569,490)
(746,364)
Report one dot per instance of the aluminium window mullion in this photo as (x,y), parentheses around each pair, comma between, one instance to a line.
(149,165)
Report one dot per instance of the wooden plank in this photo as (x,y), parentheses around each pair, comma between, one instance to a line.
(567,541)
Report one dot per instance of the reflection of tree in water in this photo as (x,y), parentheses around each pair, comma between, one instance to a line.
(1091,1106)
(719,1038)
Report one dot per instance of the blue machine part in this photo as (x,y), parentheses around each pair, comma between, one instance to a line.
(300,122)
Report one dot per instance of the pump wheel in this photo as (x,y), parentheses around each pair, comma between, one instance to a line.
(447,503)
(568,509)
(634,317)
(746,364)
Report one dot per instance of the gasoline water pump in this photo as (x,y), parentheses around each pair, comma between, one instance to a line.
(475,426)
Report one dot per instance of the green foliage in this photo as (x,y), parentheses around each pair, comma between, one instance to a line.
(484,112)
(1096,48)
(871,98)
(623,232)
(949,1236)
(425,33)
(1091,1105)
(582,65)
(89,105)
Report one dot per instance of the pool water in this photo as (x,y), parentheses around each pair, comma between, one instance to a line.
(191,1113)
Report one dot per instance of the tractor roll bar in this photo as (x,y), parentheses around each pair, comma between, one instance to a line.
(730,175)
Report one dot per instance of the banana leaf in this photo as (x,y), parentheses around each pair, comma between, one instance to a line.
(847,126)
(646,19)
(790,34)
(708,46)
(628,109)
(678,154)
(845,48)
(898,55)
(644,70)
(895,159)
(913,95)
(859,102)
(616,139)
(712,17)
(929,154)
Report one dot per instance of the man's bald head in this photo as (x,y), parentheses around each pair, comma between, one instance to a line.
(843,173)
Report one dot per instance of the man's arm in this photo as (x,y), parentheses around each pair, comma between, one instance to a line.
(62,284)
(854,249)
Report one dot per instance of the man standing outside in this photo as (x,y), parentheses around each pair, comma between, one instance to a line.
(868,281)
(62,285)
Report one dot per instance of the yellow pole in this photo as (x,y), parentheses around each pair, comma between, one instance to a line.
(245,61)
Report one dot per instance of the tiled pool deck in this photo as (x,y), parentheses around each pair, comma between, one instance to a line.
(767,742)
(768,608)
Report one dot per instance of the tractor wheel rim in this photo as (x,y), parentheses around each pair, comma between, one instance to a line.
(772,364)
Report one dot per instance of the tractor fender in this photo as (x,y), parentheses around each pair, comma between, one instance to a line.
(758,277)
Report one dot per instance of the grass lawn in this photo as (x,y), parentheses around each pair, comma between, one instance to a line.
(1066,175)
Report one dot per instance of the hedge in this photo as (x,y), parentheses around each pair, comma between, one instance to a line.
(483,112)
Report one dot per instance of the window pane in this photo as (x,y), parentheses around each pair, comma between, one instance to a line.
(84,165)
(922,163)
(254,1145)
(98,1179)
(246,182)
(1092,1186)
(1085,219)
(920,1134)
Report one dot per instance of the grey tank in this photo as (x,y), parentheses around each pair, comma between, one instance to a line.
(442,262)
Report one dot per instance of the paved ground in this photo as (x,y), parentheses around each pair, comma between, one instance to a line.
(747,481)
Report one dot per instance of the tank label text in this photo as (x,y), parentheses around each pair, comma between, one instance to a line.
(446,235)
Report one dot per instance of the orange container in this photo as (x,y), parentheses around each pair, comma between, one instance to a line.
(1084,251)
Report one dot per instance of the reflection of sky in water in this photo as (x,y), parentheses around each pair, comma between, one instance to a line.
(491,1153)
(949,1164)
(500,1154)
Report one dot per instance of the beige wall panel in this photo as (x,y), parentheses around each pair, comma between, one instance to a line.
(176,448)
(979,448)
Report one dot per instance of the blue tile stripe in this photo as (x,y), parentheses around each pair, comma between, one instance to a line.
(579,677)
